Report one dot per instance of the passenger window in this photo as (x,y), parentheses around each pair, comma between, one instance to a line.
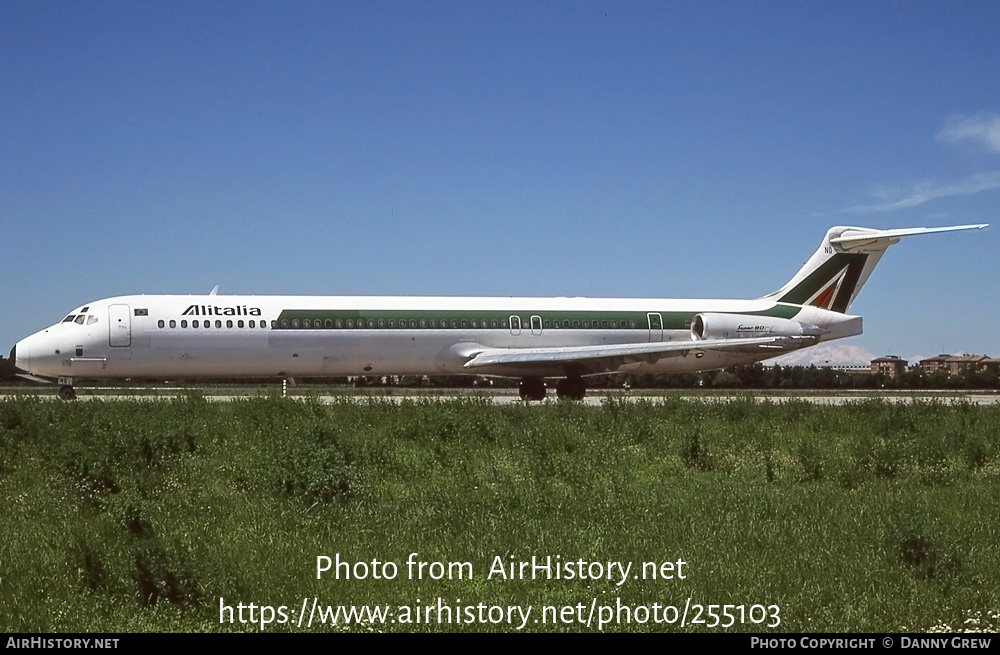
(218,323)
(184,324)
(239,324)
(253,324)
(423,323)
(328,323)
(173,323)
(160,323)
(229,323)
(195,323)
(340,323)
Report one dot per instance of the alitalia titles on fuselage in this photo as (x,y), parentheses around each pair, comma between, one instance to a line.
(215,310)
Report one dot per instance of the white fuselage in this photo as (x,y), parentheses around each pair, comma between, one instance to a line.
(318,336)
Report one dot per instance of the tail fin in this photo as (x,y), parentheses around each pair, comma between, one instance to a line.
(834,275)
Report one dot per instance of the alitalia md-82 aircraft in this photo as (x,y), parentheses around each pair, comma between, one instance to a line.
(215,336)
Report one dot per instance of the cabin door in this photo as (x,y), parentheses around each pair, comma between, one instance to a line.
(119,326)
(655,327)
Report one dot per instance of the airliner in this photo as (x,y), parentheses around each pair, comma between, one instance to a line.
(222,336)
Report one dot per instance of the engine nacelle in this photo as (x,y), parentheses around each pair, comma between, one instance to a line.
(745,326)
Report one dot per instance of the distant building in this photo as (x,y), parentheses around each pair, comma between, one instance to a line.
(890,365)
(954,364)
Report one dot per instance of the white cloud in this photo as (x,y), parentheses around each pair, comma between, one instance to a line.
(921,193)
(981,129)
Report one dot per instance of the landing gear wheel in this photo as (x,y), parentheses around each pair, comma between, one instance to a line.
(572,388)
(67,393)
(531,389)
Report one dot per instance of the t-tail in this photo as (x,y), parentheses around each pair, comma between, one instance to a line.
(834,275)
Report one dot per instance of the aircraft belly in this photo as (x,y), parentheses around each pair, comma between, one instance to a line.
(360,352)
(300,353)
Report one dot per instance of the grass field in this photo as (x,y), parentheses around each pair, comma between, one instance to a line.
(139,516)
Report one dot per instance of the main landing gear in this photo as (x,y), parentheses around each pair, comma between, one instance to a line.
(531,389)
(571,387)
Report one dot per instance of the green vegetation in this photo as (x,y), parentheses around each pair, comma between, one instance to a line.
(139,516)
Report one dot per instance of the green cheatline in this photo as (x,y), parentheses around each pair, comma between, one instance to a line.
(387,319)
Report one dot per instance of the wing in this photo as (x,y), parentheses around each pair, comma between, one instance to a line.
(605,358)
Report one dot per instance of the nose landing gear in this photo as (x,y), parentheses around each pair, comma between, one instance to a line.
(66,390)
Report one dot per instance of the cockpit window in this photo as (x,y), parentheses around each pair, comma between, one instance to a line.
(85,309)
(79,319)
(69,319)
(91,319)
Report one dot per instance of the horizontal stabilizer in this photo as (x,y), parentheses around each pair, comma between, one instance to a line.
(862,235)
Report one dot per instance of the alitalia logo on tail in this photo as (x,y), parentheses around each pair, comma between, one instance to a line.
(215,310)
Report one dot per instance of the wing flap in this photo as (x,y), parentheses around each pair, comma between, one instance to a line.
(627,351)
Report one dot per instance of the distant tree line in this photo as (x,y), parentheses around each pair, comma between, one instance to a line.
(6,369)
(751,376)
(758,376)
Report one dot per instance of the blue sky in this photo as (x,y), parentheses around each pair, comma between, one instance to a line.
(684,149)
